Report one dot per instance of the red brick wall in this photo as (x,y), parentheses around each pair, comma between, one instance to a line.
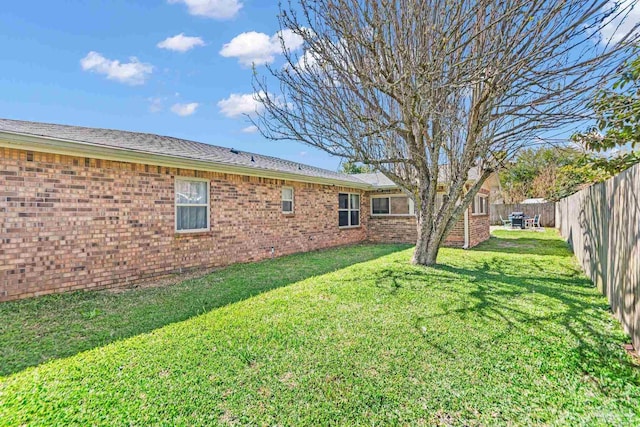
(70,223)
(402,229)
(396,229)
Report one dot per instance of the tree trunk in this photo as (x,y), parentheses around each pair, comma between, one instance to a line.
(428,243)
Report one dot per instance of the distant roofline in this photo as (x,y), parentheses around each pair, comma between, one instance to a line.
(78,147)
(379,181)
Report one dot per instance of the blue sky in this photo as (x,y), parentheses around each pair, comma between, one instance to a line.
(171,67)
(44,43)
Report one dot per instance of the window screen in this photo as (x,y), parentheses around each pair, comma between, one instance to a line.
(392,205)
(192,205)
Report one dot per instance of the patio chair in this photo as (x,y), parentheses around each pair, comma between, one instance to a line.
(505,222)
(536,221)
(529,222)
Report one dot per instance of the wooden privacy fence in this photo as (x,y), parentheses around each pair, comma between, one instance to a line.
(546,210)
(602,225)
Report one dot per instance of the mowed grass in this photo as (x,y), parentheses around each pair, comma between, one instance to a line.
(39,329)
(508,333)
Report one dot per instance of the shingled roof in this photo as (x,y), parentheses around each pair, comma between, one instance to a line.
(376,179)
(172,147)
(379,180)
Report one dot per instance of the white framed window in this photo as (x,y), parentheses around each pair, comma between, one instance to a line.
(192,204)
(392,205)
(480,205)
(287,200)
(348,210)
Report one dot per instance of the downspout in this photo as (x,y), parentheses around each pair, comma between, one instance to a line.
(466,229)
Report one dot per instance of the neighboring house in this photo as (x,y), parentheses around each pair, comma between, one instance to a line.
(84,208)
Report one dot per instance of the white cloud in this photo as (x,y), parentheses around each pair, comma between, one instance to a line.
(250,48)
(133,72)
(310,60)
(292,41)
(628,17)
(238,104)
(250,129)
(302,153)
(184,110)
(217,9)
(180,43)
(259,48)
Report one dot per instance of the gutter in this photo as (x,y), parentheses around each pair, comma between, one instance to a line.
(45,144)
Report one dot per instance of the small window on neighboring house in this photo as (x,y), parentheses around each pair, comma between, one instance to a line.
(348,210)
(391,205)
(192,205)
(480,205)
(287,200)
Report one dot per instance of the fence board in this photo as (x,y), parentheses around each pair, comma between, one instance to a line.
(547,212)
(602,225)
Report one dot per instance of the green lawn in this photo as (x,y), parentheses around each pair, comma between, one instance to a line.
(508,333)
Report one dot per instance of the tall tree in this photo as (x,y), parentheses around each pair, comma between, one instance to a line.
(617,111)
(351,167)
(427,90)
(547,172)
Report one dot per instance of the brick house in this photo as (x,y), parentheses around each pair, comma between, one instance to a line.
(84,208)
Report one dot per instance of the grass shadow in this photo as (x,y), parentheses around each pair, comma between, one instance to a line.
(530,302)
(37,330)
(524,242)
(571,304)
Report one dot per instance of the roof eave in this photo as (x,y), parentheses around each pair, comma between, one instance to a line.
(60,146)
(384,187)
(392,187)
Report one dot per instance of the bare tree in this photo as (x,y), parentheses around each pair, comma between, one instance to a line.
(427,90)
